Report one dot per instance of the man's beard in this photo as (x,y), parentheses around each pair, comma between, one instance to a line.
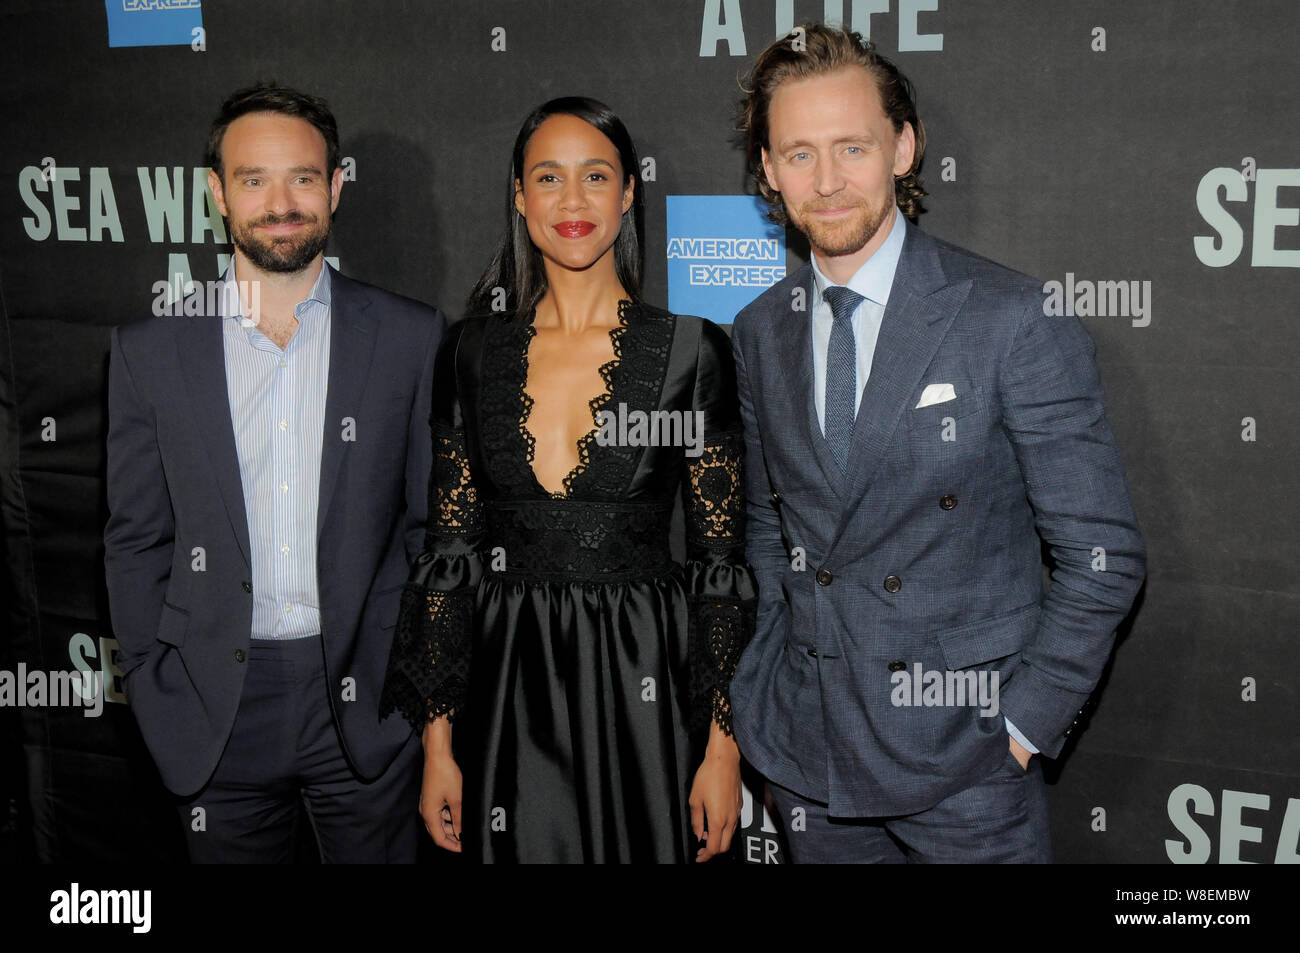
(844,237)
(285,254)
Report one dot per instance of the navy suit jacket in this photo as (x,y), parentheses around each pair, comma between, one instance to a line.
(927,550)
(184,624)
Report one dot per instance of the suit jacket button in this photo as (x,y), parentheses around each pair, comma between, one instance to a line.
(893,584)
(776,498)
(824,577)
(897,665)
(812,652)
(239,655)
(947,501)
(248,586)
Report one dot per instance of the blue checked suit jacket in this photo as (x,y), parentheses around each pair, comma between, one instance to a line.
(927,550)
(174,484)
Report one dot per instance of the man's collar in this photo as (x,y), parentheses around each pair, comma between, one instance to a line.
(320,289)
(235,293)
(876,276)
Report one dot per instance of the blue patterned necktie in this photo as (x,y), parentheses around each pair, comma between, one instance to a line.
(841,373)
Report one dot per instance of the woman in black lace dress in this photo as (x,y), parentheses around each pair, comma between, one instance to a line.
(585,671)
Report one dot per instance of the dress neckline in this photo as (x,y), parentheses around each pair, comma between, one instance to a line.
(597,403)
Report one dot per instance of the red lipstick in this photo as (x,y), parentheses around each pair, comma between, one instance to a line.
(574,229)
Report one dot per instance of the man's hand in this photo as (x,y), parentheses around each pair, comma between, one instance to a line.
(1022,754)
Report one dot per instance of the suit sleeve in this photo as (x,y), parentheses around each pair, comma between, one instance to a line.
(428,666)
(139,535)
(1053,410)
(764,547)
(719,584)
(419,452)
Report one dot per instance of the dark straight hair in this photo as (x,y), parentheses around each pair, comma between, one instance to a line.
(517,265)
(271,98)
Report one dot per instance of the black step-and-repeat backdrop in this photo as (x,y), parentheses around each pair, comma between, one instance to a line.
(1141,159)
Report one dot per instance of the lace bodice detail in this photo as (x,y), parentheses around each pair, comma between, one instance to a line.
(633,377)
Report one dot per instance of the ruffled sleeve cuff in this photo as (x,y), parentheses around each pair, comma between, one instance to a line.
(428,667)
(723,599)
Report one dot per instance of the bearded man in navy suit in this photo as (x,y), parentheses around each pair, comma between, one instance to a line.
(268,469)
(916,428)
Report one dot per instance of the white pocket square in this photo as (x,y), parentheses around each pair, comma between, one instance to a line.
(936,394)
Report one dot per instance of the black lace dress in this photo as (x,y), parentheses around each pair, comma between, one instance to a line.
(580,664)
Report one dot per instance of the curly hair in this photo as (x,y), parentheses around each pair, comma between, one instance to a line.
(814,50)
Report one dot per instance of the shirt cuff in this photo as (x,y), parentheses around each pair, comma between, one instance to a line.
(1015,733)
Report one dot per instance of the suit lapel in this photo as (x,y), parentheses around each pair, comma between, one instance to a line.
(921,309)
(200,344)
(352,344)
(792,334)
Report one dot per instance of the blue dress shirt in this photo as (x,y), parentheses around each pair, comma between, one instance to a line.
(277,407)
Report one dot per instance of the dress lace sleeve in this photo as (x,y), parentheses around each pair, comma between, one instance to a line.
(428,666)
(720,584)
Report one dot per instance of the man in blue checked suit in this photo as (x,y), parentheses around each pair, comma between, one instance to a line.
(268,470)
(915,426)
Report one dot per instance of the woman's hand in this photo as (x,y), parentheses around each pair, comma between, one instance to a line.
(715,794)
(440,788)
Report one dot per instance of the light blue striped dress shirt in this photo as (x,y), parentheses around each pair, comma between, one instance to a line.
(873,281)
(277,406)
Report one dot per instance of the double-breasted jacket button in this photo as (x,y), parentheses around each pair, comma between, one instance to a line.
(239,655)
(893,584)
(947,501)
(897,665)
(824,577)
